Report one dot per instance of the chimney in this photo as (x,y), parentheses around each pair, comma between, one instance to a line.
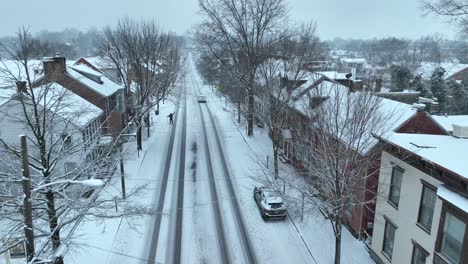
(21,86)
(54,66)
(378,85)
(460,131)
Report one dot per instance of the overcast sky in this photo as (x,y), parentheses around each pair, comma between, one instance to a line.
(335,18)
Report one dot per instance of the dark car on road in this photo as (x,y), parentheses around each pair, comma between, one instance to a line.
(269,203)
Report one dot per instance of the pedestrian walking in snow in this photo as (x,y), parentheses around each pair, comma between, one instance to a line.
(171,116)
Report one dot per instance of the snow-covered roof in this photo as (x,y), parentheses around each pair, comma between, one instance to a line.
(447,151)
(67,104)
(353,60)
(447,121)
(389,91)
(453,198)
(427,68)
(98,62)
(425,100)
(12,70)
(6,93)
(394,113)
(334,75)
(95,80)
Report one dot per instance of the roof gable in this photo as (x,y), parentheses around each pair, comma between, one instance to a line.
(421,123)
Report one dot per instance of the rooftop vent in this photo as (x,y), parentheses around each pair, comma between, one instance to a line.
(460,131)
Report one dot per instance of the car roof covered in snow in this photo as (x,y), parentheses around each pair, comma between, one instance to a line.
(272,196)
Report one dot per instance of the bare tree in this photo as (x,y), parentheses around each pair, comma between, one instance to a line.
(455,10)
(244,30)
(279,75)
(337,146)
(148,61)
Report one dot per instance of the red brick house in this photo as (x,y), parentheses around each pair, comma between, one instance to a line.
(92,85)
(299,152)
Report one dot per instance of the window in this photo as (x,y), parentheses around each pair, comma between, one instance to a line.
(66,141)
(395,186)
(389,239)
(419,254)
(85,140)
(70,166)
(453,233)
(426,207)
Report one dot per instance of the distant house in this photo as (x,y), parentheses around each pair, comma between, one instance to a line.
(422,206)
(453,71)
(90,84)
(357,66)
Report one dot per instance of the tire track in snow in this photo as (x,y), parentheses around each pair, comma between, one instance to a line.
(162,194)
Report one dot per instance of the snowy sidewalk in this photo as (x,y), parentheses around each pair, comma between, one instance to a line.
(124,240)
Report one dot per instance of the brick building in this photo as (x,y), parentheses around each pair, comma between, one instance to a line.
(297,150)
(90,84)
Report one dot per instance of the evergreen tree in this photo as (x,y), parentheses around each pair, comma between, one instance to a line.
(400,77)
(460,96)
(417,84)
(438,86)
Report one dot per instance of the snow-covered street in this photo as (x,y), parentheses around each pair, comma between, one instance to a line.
(206,226)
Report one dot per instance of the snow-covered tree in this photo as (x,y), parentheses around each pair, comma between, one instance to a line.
(148,60)
(342,151)
(438,86)
(245,30)
(400,77)
(279,75)
(454,10)
(460,96)
(417,84)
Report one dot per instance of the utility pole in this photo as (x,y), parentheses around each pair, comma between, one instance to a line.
(122,175)
(27,208)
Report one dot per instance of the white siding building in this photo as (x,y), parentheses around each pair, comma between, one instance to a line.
(417,219)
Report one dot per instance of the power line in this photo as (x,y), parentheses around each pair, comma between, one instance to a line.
(122,254)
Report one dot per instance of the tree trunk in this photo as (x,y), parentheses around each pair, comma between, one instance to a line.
(53,220)
(239,105)
(338,228)
(250,111)
(275,157)
(148,124)
(139,140)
